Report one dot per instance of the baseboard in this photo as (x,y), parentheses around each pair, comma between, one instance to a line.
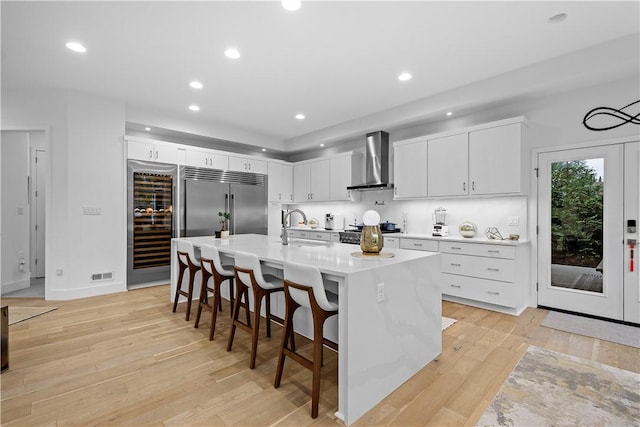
(90,291)
(14,286)
(514,311)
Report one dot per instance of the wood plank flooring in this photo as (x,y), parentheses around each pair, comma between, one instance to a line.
(124,359)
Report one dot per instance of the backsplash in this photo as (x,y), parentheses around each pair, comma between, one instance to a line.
(483,212)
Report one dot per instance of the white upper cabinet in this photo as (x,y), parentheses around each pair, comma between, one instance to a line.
(156,151)
(207,159)
(301,182)
(311,181)
(410,169)
(495,159)
(245,164)
(280,182)
(448,166)
(345,171)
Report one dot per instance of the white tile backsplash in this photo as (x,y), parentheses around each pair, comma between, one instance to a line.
(483,212)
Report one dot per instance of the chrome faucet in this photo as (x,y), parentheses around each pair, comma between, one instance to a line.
(285,236)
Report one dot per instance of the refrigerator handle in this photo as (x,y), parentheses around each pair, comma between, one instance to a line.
(232,226)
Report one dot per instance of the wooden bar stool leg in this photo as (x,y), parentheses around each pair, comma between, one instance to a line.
(178,286)
(287,335)
(236,312)
(256,327)
(217,302)
(204,297)
(318,323)
(192,276)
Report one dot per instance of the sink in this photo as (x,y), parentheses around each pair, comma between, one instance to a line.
(296,243)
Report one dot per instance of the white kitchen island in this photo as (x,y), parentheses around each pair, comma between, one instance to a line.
(383,339)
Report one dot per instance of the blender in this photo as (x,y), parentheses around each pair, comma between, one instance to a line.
(439,219)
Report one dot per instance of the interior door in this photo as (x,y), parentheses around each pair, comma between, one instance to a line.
(631,213)
(580,220)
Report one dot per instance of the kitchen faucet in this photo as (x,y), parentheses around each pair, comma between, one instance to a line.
(285,236)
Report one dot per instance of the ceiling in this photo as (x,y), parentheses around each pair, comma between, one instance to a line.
(336,62)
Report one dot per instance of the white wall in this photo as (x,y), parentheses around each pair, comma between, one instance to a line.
(15,211)
(86,169)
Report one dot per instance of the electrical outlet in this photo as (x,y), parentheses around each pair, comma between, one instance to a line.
(380,292)
(513,221)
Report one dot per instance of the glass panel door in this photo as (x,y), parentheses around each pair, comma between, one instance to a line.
(580,223)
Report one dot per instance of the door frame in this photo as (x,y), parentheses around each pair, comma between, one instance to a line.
(533,200)
(48,200)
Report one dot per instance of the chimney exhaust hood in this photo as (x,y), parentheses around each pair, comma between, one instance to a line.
(376,163)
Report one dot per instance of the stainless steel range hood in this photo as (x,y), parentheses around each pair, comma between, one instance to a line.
(376,163)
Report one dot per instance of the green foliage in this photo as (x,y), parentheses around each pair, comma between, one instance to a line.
(223,217)
(576,214)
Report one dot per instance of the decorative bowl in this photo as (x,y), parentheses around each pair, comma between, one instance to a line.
(467,229)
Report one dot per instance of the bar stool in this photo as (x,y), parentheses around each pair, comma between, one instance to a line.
(186,260)
(212,267)
(249,275)
(303,287)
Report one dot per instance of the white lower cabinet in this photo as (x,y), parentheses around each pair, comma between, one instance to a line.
(486,273)
(391,242)
(419,244)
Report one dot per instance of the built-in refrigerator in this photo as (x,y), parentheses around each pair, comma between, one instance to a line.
(151,189)
(205,192)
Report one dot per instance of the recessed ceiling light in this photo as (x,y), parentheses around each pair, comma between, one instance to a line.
(403,77)
(300,116)
(194,108)
(449,113)
(76,47)
(147,129)
(555,19)
(232,53)
(264,149)
(291,5)
(321,145)
(196,84)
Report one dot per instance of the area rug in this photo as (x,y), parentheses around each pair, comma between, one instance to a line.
(547,388)
(447,321)
(594,328)
(19,314)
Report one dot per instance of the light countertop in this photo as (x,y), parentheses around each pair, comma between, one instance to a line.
(330,258)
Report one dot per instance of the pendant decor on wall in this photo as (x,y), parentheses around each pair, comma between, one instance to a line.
(618,117)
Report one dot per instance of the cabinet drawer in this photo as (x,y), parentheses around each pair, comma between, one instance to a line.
(503,270)
(299,234)
(391,242)
(319,236)
(419,244)
(499,293)
(479,249)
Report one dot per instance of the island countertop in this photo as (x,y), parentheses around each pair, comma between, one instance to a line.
(389,318)
(330,258)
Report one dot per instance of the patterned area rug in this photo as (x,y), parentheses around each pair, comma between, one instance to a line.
(19,314)
(547,388)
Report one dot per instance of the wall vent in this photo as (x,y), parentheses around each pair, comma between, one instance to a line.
(102,276)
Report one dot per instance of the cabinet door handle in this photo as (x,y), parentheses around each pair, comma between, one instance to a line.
(150,154)
(455,265)
(395,191)
(493,251)
(456,248)
(156,154)
(493,269)
(279,196)
(464,186)
(493,293)
(455,286)
(473,185)
(419,245)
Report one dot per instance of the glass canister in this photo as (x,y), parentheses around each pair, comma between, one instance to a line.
(371,241)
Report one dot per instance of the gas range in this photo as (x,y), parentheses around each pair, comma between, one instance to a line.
(353,236)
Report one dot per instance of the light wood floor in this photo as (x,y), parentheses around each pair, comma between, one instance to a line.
(124,359)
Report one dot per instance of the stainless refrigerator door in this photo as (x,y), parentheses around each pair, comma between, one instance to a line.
(248,209)
(203,200)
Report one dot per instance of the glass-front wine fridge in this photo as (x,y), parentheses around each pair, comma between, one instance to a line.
(151,189)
